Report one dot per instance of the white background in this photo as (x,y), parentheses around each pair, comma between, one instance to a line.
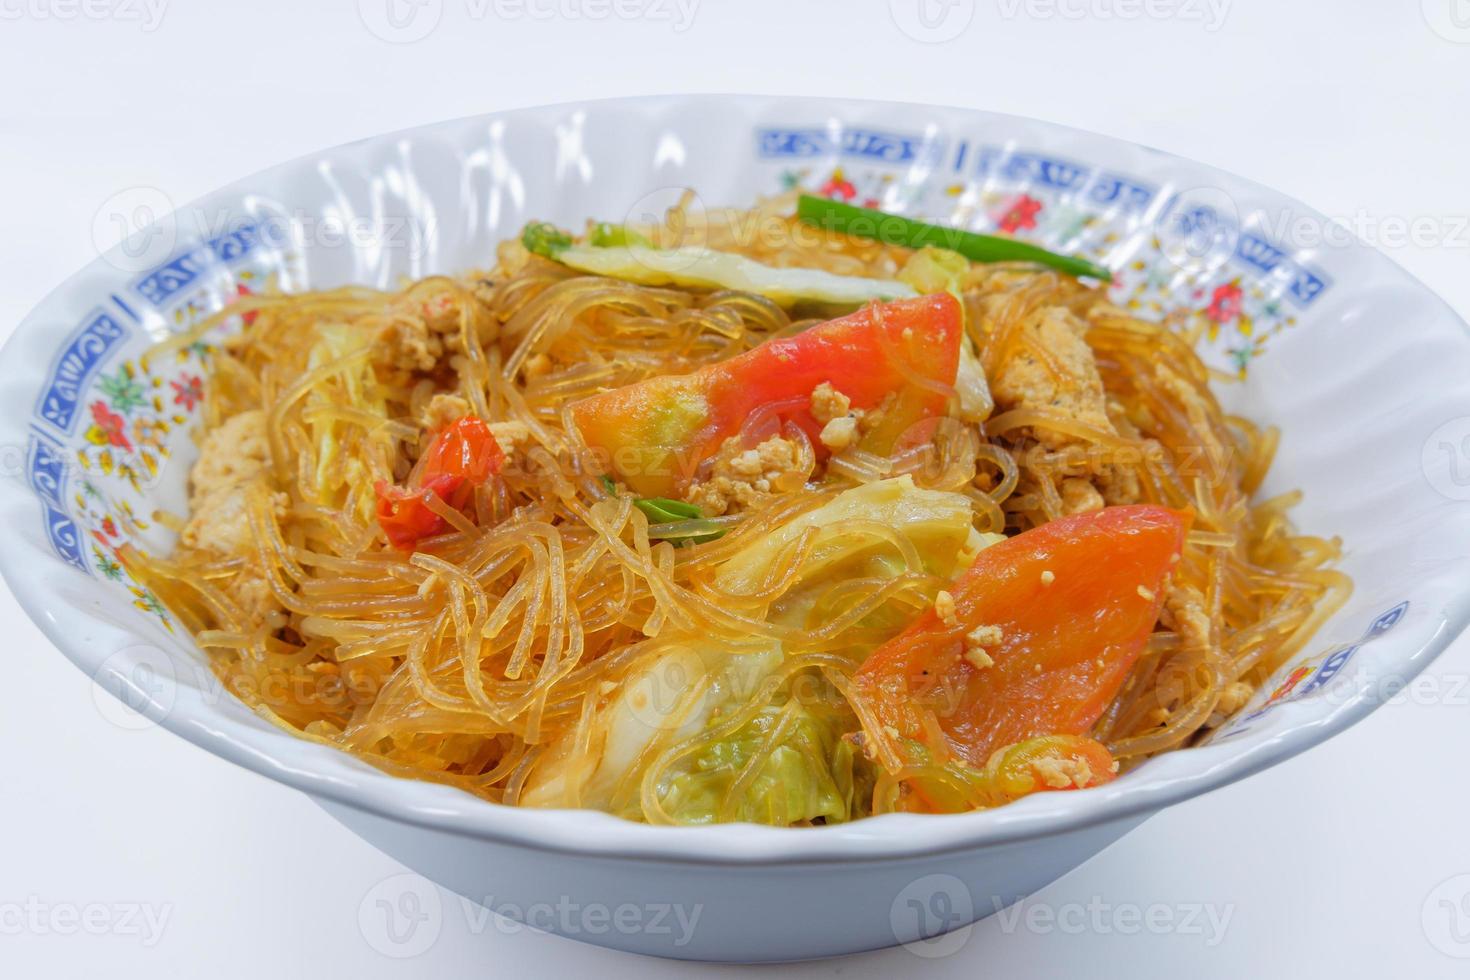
(1327,865)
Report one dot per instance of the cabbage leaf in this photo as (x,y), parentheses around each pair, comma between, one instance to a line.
(682,685)
(628,256)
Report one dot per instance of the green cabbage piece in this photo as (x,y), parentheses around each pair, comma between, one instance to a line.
(936,270)
(342,479)
(618,253)
(604,235)
(682,684)
(938,524)
(809,776)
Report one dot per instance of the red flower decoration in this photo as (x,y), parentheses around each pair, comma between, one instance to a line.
(838,186)
(1021,214)
(1225,303)
(249,317)
(1288,685)
(188,391)
(110,526)
(111,426)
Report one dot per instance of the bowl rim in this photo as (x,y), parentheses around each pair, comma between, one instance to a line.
(295,762)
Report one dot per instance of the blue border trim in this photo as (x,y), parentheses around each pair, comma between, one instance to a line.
(1101,187)
(46,470)
(131,313)
(65,539)
(162,284)
(1304,283)
(858,142)
(1326,669)
(74,367)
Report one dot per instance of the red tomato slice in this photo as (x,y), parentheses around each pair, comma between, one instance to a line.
(1074,601)
(461,457)
(654,434)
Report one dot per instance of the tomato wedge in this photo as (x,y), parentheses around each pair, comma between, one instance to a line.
(461,457)
(655,433)
(1073,602)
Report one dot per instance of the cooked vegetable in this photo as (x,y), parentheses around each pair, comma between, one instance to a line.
(461,457)
(1044,629)
(808,774)
(341,477)
(662,510)
(894,229)
(935,270)
(1045,763)
(937,523)
(533,638)
(654,434)
(683,687)
(1049,762)
(604,235)
(618,253)
(670,695)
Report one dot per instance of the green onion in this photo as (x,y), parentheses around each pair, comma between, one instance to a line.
(894,229)
(662,510)
(545,240)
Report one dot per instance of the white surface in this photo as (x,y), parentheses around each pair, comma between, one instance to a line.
(1345,109)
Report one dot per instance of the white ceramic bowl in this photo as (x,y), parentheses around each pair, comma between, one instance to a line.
(1361,367)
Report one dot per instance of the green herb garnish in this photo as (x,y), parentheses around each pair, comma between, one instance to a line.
(894,229)
(545,240)
(662,510)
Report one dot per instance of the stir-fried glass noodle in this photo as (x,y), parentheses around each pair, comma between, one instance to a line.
(623,523)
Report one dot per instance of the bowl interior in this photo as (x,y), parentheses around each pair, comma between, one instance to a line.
(1360,367)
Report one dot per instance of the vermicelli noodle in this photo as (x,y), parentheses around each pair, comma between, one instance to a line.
(497,654)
